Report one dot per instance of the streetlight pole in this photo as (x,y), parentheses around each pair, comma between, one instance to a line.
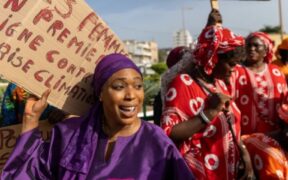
(183,18)
(214,4)
(280,19)
(183,15)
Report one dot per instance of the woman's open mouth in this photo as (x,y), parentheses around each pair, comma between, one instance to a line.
(128,110)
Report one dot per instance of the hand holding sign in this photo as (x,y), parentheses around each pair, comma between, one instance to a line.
(33,109)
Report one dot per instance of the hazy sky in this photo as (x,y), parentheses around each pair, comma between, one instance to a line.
(159,19)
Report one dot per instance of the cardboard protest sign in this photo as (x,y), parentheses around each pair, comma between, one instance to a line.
(214,4)
(54,44)
(9,134)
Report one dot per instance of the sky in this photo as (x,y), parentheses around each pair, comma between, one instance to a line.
(158,20)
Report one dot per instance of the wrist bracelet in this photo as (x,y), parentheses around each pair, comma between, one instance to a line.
(203,117)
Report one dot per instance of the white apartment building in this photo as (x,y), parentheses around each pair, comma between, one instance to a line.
(182,38)
(142,52)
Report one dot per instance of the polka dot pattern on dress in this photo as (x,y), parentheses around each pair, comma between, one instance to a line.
(196,105)
(211,161)
(171,94)
(186,79)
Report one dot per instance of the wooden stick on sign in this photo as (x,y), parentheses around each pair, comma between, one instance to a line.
(214,4)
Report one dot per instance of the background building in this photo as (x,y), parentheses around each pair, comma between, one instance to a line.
(142,52)
(182,38)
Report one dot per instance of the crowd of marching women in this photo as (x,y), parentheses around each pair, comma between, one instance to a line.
(223,114)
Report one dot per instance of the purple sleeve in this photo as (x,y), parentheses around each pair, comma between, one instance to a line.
(177,167)
(29,159)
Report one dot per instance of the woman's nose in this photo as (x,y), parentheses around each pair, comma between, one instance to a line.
(129,94)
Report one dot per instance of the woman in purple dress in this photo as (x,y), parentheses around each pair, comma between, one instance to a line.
(110,142)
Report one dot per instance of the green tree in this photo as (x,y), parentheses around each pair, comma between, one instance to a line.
(151,89)
(159,68)
(152,83)
(271,29)
(162,54)
(3,80)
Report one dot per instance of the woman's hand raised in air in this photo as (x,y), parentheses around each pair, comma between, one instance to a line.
(33,109)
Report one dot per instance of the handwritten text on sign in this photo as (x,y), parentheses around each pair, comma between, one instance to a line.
(54,44)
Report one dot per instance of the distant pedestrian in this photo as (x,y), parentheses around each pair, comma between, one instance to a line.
(260,90)
(282,57)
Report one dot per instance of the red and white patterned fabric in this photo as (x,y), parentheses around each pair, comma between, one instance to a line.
(269,160)
(258,96)
(212,41)
(283,109)
(210,153)
(231,86)
(186,61)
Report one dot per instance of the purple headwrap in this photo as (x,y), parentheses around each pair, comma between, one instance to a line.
(107,67)
(85,138)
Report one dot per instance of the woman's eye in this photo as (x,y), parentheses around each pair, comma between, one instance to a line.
(118,86)
(139,86)
(256,45)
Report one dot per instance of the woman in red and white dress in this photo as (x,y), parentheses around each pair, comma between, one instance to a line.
(198,105)
(260,88)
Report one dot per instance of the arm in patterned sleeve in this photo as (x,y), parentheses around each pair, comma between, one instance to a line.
(184,100)
(179,119)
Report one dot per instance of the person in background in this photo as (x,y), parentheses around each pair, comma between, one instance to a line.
(269,153)
(181,62)
(282,57)
(13,105)
(260,90)
(260,86)
(200,117)
(214,18)
(174,56)
(109,142)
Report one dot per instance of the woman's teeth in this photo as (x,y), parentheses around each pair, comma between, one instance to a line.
(129,109)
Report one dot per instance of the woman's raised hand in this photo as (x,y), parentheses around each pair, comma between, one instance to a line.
(33,109)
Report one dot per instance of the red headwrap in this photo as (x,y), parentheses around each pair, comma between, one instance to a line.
(215,40)
(268,42)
